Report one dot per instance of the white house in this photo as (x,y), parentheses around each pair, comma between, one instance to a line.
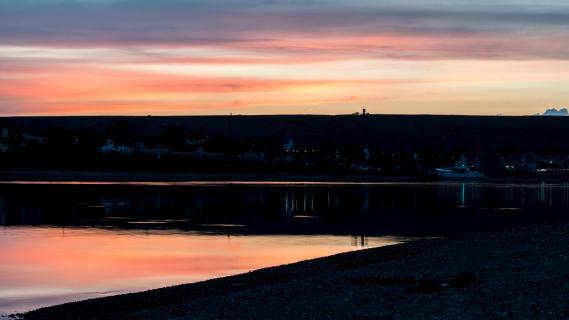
(111,148)
(289,146)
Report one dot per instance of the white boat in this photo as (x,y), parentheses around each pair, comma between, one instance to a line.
(460,171)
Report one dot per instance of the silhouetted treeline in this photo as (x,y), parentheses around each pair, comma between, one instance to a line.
(392,132)
(371,143)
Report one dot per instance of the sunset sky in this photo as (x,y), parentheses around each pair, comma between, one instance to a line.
(138,57)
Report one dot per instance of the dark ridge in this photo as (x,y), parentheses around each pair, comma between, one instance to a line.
(391,132)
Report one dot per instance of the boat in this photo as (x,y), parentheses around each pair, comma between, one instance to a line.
(460,171)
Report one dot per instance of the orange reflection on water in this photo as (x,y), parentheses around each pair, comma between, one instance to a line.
(44,266)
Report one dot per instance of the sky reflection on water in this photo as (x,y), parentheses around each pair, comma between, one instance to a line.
(41,266)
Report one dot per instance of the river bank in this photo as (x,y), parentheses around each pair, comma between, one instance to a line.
(127,176)
(518,273)
(121,176)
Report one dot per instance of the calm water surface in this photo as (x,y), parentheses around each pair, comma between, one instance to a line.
(63,242)
(42,266)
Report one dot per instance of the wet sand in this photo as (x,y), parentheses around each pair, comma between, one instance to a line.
(518,273)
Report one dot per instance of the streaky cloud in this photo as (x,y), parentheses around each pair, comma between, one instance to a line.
(505,30)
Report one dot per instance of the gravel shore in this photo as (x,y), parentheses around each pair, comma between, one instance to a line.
(519,273)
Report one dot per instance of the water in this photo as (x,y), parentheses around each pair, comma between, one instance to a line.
(41,266)
(63,242)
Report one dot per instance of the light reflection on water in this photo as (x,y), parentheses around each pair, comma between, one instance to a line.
(41,266)
(241,202)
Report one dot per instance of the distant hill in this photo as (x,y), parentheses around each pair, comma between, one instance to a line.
(390,132)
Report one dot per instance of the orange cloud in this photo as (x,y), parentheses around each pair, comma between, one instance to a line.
(286,73)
